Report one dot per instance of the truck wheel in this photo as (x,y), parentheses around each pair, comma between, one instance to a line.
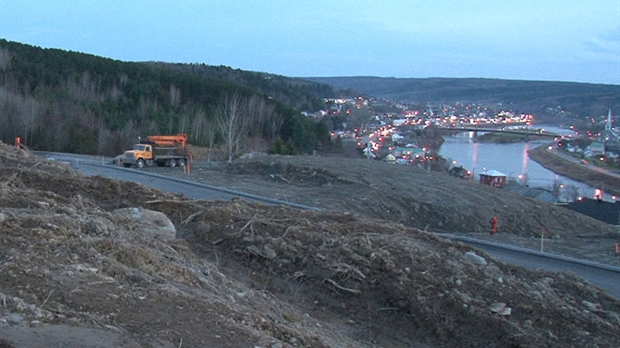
(173,163)
(140,163)
(181,162)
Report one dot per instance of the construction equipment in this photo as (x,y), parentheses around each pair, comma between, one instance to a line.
(160,150)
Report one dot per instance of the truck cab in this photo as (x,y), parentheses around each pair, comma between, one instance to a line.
(139,156)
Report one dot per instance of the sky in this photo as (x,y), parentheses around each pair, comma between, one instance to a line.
(545,40)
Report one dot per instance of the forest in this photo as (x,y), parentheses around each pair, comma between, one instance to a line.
(64,101)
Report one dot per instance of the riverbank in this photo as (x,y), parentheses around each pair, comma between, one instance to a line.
(575,171)
(506,138)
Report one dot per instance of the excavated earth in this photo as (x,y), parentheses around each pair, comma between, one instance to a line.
(92,262)
(414,197)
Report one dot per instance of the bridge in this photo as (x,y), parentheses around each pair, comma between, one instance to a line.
(476,129)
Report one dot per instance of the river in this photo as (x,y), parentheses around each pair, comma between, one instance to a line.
(512,160)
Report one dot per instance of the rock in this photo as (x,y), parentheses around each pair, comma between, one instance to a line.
(547,281)
(265,252)
(497,306)
(15,319)
(592,307)
(98,226)
(154,222)
(475,259)
(506,311)
(500,308)
(269,252)
(536,295)
(134,212)
(254,154)
(613,317)
(465,298)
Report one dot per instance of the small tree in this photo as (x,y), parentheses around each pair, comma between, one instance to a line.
(229,118)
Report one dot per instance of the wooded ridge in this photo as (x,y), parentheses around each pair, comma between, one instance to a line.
(66,101)
(545,99)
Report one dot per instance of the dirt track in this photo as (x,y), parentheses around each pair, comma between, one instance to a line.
(135,267)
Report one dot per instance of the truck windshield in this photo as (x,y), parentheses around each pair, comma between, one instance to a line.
(139,147)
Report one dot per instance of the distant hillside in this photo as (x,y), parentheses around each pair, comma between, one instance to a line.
(541,97)
(302,94)
(74,102)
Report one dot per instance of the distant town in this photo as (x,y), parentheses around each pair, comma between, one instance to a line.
(598,140)
(411,134)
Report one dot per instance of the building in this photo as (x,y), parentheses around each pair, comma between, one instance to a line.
(595,149)
(538,193)
(460,172)
(493,178)
(604,211)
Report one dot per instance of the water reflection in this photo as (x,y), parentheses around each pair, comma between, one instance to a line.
(513,161)
(526,158)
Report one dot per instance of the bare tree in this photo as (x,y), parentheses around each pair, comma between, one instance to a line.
(203,130)
(264,121)
(175,95)
(103,137)
(229,116)
(255,115)
(8,111)
(275,123)
(5,58)
(183,121)
(198,124)
(170,121)
(209,133)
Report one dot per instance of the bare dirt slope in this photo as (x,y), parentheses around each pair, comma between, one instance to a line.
(90,262)
(414,197)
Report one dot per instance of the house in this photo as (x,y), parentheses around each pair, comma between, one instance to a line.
(493,178)
(538,193)
(604,211)
(460,172)
(408,152)
(596,148)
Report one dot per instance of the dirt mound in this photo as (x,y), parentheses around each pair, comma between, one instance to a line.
(286,172)
(77,256)
(406,194)
(414,197)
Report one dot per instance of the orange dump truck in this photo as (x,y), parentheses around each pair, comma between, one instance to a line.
(161,150)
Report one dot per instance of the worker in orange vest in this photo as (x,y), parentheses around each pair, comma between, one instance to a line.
(493,225)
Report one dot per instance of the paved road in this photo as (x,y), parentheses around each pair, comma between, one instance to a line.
(607,277)
(190,189)
(557,152)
